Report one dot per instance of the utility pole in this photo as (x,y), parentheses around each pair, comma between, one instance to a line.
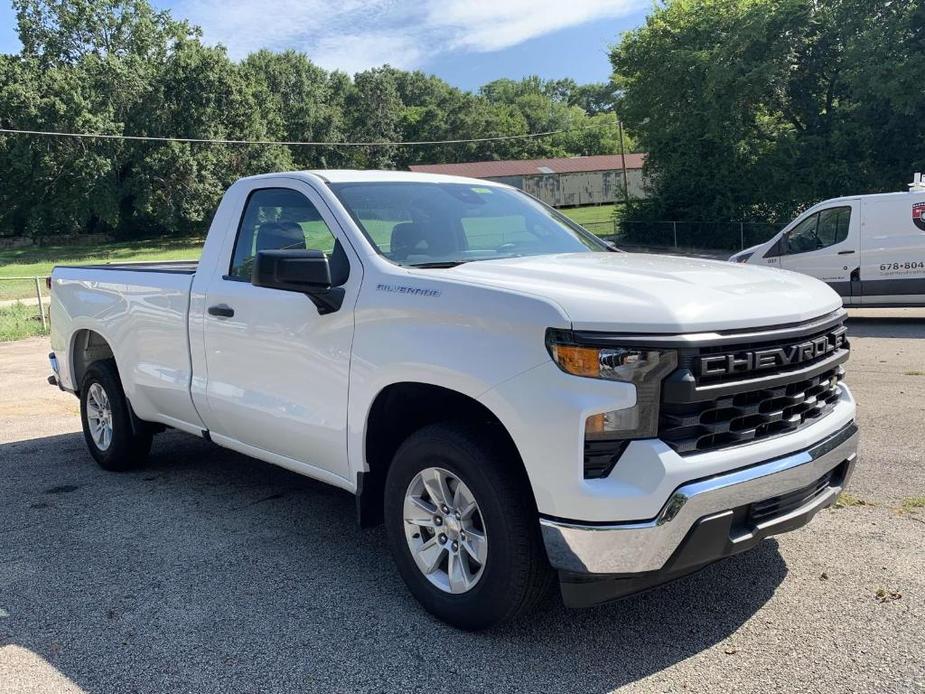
(626,189)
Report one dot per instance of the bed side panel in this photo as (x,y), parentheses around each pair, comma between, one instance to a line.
(143,317)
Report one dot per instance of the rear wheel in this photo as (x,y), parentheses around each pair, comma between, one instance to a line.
(107,420)
(461,528)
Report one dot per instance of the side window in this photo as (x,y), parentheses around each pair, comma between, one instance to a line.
(833,225)
(821,230)
(802,237)
(275,219)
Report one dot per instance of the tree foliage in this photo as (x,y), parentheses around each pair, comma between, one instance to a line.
(123,67)
(758,108)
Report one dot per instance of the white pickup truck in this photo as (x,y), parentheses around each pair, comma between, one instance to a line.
(513,398)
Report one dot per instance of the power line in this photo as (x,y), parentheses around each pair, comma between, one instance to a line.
(413,143)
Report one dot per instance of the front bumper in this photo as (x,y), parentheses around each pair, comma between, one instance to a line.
(703,520)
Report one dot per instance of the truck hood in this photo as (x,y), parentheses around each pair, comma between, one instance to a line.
(635,292)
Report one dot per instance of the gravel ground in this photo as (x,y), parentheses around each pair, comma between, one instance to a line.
(211,572)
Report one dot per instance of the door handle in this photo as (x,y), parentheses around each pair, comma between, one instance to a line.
(845,252)
(222,311)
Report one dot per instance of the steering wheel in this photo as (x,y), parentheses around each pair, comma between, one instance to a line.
(513,246)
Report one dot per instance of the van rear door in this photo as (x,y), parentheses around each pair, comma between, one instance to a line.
(893,250)
(826,245)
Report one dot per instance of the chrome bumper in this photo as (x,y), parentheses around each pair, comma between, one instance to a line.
(635,547)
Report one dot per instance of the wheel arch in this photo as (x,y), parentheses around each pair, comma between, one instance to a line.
(402,408)
(87,347)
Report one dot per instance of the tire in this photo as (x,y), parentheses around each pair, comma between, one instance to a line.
(515,574)
(101,393)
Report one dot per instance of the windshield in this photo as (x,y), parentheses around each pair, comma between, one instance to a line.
(444,224)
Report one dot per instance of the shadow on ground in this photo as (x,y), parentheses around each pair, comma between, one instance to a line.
(207,571)
(886,326)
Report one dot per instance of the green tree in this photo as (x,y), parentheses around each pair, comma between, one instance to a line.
(374,108)
(123,67)
(300,102)
(757,108)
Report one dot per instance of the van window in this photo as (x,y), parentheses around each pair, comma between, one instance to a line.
(833,225)
(803,236)
(820,230)
(274,219)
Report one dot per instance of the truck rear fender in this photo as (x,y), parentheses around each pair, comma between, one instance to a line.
(86,348)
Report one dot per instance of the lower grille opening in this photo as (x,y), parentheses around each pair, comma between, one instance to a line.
(762,511)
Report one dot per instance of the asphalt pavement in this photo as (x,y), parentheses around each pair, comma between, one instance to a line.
(210,572)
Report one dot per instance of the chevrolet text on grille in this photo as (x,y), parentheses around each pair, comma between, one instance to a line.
(773,357)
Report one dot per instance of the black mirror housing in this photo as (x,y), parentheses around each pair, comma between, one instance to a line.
(298,270)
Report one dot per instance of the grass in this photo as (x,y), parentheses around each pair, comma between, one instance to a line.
(19,321)
(592,214)
(39,261)
(29,262)
(913,504)
(846,500)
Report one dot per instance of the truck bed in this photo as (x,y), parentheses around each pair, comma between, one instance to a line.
(141,311)
(180,267)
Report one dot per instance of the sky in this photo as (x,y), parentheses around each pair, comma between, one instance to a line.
(466,42)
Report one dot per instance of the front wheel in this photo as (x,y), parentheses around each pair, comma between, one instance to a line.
(107,420)
(463,533)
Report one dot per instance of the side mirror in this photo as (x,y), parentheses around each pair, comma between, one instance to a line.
(297,270)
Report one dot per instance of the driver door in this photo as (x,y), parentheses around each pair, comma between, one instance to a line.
(277,369)
(825,246)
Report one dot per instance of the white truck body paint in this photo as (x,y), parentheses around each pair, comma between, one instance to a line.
(282,383)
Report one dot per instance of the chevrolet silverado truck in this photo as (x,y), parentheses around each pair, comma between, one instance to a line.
(517,401)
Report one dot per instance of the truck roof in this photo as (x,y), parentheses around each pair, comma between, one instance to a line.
(373,175)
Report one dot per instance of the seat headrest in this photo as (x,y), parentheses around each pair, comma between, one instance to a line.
(417,238)
(273,236)
(406,237)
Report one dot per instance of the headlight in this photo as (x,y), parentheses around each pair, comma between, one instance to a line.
(627,364)
(643,367)
(743,258)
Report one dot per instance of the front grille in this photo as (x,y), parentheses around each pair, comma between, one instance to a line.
(778,506)
(705,412)
(748,416)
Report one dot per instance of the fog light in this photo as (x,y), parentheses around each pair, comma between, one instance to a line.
(605,442)
(608,425)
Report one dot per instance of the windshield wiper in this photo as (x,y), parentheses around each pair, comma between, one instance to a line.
(439,264)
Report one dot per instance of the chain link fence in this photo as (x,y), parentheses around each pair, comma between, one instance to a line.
(24,303)
(713,238)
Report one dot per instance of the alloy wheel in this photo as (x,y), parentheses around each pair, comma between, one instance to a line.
(445,530)
(99,416)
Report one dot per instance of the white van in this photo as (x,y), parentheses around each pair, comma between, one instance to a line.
(868,248)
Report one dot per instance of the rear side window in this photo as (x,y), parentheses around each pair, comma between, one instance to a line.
(274,219)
